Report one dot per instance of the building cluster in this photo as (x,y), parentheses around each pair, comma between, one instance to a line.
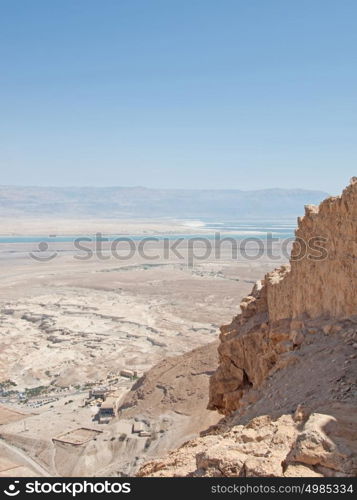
(140,429)
(108,400)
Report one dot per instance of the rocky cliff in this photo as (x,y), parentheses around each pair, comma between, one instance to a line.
(286,380)
(320,283)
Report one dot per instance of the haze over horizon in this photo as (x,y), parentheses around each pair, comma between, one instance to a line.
(233,94)
(163,188)
(141,202)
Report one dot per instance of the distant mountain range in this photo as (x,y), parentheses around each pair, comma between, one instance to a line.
(110,202)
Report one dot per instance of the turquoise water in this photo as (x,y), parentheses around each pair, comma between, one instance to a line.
(235,229)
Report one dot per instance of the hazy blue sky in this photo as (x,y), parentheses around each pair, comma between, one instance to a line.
(179,93)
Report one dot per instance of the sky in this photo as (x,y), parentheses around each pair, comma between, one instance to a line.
(236,94)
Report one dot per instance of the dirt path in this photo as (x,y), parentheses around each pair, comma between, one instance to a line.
(24,458)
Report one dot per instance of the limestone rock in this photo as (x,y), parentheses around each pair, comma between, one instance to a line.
(286,380)
(319,284)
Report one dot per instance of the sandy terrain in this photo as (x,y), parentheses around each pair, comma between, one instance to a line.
(69,323)
(53,225)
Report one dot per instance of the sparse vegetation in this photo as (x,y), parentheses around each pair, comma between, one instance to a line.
(5,384)
(35,391)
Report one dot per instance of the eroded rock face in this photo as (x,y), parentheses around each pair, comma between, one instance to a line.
(286,380)
(319,283)
(317,445)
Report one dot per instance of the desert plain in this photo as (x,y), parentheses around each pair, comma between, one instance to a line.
(70,322)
